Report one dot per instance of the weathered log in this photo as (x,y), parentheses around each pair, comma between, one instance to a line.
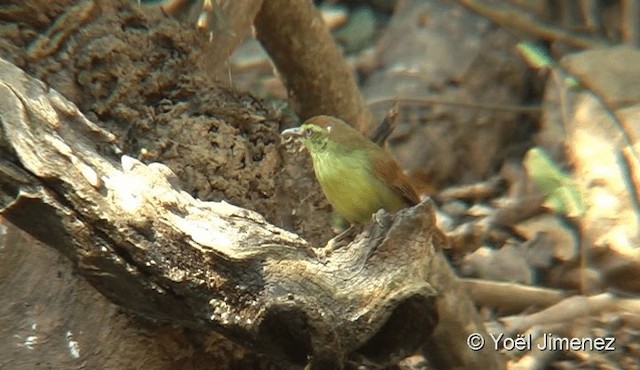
(159,252)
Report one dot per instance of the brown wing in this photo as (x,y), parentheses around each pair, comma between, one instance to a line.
(386,168)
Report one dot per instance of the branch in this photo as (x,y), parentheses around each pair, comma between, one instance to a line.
(311,65)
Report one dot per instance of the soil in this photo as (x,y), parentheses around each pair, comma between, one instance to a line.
(141,75)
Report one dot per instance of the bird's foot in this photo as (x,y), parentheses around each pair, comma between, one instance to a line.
(337,242)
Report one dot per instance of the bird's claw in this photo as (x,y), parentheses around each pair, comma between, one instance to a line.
(337,242)
(334,244)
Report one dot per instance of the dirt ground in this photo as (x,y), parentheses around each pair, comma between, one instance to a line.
(139,74)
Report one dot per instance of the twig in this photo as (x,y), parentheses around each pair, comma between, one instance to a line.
(476,191)
(629,26)
(438,101)
(510,296)
(570,309)
(523,22)
(387,126)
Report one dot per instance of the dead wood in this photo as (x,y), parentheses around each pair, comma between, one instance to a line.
(51,318)
(509,296)
(164,255)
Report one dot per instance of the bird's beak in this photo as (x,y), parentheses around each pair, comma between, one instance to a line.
(291,132)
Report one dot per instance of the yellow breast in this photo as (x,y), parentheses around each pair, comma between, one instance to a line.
(352,188)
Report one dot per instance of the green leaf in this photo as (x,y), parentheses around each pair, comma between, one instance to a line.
(562,194)
(536,56)
(566,200)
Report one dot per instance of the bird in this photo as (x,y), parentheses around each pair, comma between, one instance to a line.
(357,176)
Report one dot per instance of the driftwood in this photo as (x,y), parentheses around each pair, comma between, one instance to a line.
(160,253)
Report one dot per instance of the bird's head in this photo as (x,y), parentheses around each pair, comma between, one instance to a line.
(319,131)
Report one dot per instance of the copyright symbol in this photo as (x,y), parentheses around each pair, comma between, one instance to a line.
(475,341)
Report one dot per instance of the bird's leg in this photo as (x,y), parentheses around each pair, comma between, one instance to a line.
(338,241)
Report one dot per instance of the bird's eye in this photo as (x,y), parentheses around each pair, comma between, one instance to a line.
(307,132)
